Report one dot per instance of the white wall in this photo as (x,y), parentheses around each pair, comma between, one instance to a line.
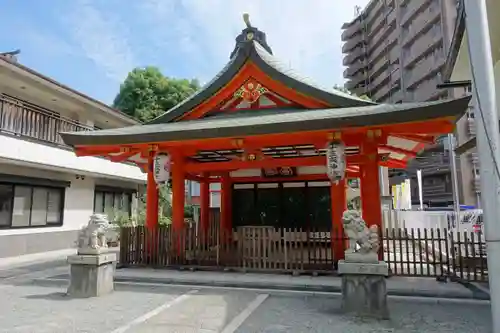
(14,149)
(78,199)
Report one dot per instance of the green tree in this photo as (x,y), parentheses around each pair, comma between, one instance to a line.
(146,93)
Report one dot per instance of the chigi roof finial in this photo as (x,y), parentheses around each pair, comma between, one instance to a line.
(246,19)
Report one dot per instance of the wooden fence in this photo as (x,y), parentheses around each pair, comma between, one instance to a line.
(408,252)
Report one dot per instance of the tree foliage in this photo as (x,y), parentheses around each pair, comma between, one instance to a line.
(146,93)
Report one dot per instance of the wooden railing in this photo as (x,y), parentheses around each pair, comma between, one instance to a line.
(408,252)
(31,121)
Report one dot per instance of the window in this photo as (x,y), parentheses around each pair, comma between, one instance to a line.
(110,200)
(30,206)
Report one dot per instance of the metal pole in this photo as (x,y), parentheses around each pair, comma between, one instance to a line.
(488,140)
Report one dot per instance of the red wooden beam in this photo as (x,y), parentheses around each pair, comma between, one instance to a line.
(393,163)
(123,156)
(417,138)
(399,150)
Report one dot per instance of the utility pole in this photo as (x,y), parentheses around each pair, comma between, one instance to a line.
(488,140)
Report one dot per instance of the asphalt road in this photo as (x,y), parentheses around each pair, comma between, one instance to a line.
(32,302)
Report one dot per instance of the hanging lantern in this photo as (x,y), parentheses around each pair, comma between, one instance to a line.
(161,168)
(335,161)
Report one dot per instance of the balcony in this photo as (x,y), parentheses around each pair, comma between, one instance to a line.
(422,45)
(351,29)
(387,43)
(31,136)
(352,43)
(30,121)
(421,25)
(411,9)
(355,81)
(357,53)
(427,68)
(374,13)
(353,69)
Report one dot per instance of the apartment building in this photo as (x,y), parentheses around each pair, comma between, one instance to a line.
(46,192)
(395,51)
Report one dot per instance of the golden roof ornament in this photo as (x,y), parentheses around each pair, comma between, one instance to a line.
(246,19)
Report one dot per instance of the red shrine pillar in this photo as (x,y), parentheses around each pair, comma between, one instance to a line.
(205,203)
(338,206)
(226,211)
(178,192)
(371,203)
(152,196)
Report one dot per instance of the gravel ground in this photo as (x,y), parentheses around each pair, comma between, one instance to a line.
(321,314)
(37,304)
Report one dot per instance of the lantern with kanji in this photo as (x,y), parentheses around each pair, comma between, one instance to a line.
(335,161)
(162,168)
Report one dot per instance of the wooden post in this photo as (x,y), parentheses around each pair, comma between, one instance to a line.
(204,204)
(178,192)
(151,195)
(338,206)
(371,203)
(226,189)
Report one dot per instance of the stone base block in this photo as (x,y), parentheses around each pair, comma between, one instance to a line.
(365,295)
(91,275)
(363,268)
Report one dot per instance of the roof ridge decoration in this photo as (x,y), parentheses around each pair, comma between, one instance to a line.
(252,49)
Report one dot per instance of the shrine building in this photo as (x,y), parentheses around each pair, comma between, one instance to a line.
(262,131)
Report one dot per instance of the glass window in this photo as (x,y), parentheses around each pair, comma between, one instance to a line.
(268,206)
(244,207)
(6,195)
(294,214)
(30,206)
(319,207)
(22,206)
(108,202)
(39,206)
(54,206)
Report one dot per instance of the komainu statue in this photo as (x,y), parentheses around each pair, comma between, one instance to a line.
(367,239)
(92,237)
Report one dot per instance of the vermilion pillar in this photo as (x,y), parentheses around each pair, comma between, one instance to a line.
(226,212)
(204,204)
(338,206)
(178,192)
(151,195)
(371,203)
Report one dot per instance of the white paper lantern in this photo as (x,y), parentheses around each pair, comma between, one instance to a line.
(335,161)
(161,168)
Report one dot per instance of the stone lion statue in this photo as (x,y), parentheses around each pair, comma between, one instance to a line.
(359,234)
(92,237)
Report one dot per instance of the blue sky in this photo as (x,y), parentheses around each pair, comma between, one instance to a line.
(91,45)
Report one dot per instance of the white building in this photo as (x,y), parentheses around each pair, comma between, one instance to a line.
(46,192)
(457,69)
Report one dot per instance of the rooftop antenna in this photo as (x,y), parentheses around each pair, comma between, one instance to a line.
(357,10)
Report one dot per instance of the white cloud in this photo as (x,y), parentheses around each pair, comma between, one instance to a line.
(305,33)
(102,38)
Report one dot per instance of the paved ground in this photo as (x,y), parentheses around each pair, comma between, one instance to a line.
(34,302)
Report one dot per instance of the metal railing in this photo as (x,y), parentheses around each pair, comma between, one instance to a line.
(28,120)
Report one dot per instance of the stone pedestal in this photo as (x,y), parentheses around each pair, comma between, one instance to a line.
(91,274)
(364,290)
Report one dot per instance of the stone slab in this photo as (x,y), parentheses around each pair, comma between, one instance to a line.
(91,280)
(91,251)
(361,257)
(365,295)
(381,268)
(93,260)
